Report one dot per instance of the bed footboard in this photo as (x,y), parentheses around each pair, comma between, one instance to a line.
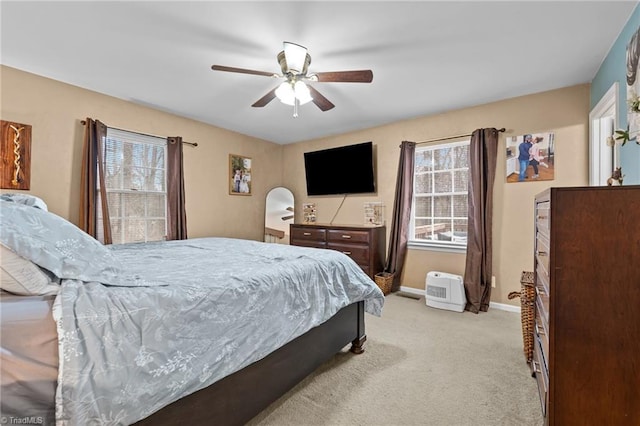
(238,398)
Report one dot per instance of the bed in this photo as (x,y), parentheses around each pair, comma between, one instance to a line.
(208,330)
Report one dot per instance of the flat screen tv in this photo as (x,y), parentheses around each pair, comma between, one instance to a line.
(343,170)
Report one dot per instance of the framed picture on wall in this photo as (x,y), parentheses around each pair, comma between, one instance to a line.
(239,175)
(15,150)
(633,86)
(531,157)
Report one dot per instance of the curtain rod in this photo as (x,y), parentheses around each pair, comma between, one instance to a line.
(143,134)
(452,137)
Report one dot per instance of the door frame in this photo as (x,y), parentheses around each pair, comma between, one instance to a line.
(606,106)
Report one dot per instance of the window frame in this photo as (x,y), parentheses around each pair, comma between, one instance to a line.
(434,245)
(126,136)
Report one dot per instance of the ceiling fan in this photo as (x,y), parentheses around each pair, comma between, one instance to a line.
(294,90)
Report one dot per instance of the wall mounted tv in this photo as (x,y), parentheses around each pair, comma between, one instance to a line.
(343,170)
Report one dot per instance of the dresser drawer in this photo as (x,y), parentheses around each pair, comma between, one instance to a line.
(360,254)
(309,243)
(542,302)
(365,245)
(542,376)
(541,330)
(542,278)
(351,236)
(541,254)
(308,234)
(542,217)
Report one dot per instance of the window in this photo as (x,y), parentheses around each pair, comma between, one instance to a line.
(440,185)
(135,181)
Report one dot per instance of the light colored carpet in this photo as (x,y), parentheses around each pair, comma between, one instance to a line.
(422,366)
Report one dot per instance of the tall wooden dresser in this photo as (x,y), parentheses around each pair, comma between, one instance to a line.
(586,354)
(364,244)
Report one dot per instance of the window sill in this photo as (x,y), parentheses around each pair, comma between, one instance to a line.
(450,248)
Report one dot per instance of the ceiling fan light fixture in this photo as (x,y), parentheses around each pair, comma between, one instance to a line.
(302,92)
(286,93)
(296,57)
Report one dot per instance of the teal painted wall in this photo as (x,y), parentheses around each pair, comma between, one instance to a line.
(613,69)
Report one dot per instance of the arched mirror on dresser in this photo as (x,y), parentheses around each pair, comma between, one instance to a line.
(278,215)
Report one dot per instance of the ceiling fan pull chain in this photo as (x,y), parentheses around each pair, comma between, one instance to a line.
(296,103)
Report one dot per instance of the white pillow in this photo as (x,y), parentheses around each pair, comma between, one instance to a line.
(19,276)
(26,199)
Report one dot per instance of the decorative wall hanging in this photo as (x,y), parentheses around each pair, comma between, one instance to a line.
(531,157)
(15,150)
(374,213)
(239,175)
(633,90)
(309,212)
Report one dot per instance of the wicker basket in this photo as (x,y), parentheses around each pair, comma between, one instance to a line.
(384,280)
(527,296)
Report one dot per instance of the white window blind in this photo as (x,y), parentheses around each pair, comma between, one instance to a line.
(135,180)
(440,188)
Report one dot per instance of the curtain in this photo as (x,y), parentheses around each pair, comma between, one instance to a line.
(92,182)
(483,152)
(401,218)
(176,212)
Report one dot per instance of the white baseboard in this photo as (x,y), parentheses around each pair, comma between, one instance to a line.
(412,290)
(504,307)
(494,305)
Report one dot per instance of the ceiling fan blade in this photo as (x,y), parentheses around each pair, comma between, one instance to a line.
(323,103)
(242,71)
(265,99)
(359,76)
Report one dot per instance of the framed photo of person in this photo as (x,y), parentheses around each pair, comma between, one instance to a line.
(531,157)
(239,175)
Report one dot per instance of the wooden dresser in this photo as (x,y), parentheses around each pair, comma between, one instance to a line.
(586,356)
(364,244)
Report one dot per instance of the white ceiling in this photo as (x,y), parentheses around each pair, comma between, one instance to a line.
(427,57)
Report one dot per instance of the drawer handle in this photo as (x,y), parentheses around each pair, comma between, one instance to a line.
(306,234)
(541,217)
(536,367)
(346,236)
(541,253)
(539,330)
(347,252)
(539,292)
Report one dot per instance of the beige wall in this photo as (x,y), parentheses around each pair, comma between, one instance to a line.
(54,110)
(564,111)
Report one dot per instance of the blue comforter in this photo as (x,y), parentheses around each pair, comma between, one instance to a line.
(200,310)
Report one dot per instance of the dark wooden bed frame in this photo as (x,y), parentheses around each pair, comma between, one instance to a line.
(238,398)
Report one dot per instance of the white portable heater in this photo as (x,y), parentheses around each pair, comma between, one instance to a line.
(445,291)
